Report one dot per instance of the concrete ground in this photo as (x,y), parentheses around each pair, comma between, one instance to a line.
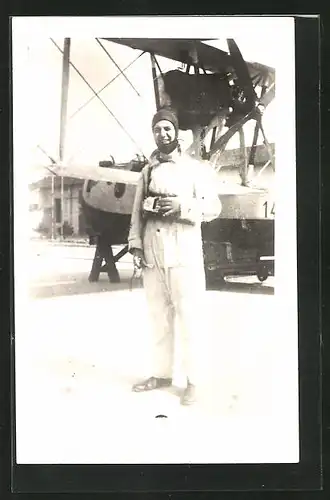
(79,347)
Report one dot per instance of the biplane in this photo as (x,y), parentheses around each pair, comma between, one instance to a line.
(214,93)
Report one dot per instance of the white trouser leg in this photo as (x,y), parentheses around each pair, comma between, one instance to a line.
(162,321)
(187,287)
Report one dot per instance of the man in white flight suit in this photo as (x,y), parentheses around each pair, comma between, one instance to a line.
(173,196)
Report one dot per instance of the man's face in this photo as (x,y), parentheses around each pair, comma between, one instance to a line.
(164,133)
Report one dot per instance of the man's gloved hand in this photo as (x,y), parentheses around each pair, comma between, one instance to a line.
(138,258)
(169,206)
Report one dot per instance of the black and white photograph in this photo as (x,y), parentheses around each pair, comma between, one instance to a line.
(155,267)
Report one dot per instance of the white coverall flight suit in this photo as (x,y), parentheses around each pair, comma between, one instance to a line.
(175,283)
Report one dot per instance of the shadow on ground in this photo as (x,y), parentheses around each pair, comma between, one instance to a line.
(242,287)
(80,285)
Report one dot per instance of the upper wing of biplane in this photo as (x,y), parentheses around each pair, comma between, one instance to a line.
(180,50)
(208,57)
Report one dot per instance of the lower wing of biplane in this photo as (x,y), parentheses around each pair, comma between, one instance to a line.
(96,173)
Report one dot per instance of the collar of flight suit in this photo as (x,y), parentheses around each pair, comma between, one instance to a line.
(160,157)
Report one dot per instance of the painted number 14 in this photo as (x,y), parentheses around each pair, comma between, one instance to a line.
(272,211)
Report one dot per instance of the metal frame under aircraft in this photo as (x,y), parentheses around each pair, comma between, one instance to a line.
(243,79)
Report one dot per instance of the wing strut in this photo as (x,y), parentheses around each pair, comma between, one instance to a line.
(63,122)
(243,169)
(154,77)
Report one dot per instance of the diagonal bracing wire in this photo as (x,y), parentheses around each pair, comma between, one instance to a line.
(49,157)
(105,86)
(118,67)
(122,71)
(99,98)
(45,153)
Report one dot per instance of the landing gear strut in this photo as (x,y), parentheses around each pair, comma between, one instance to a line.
(104,252)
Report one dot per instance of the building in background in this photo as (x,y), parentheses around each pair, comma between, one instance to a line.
(43,211)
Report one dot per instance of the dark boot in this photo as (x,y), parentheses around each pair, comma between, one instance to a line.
(152,383)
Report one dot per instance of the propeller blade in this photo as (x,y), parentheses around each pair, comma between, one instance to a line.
(241,69)
(249,75)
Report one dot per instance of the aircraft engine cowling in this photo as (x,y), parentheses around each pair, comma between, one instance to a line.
(107,206)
